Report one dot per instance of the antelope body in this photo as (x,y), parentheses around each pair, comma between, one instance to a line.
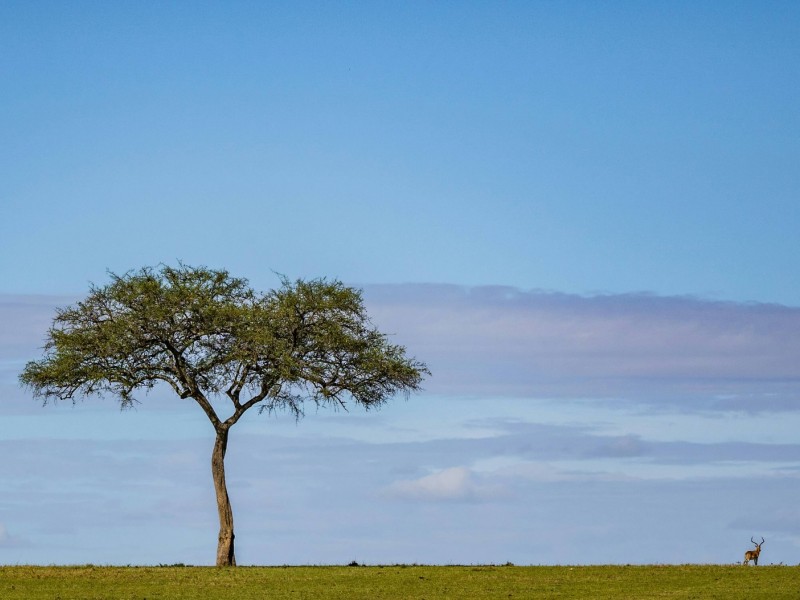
(753,554)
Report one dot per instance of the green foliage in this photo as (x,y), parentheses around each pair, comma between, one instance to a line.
(205,333)
(401,582)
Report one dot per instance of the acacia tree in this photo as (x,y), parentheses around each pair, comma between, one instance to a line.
(213,339)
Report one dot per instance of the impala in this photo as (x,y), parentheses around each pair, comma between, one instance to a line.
(753,554)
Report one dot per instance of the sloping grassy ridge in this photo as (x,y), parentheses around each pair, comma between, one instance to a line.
(399,582)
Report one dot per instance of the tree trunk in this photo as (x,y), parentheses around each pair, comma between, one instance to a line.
(225,552)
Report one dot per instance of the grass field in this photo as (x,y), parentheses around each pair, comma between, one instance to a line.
(400,582)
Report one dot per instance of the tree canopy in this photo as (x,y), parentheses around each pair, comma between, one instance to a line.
(209,336)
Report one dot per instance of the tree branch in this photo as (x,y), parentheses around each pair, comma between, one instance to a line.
(235,389)
(208,409)
(266,388)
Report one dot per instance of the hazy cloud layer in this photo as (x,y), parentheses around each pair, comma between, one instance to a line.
(441,478)
(301,497)
(503,341)
(498,340)
(492,341)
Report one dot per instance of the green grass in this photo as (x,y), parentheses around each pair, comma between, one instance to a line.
(400,582)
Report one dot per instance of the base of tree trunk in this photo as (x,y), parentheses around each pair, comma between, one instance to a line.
(226,556)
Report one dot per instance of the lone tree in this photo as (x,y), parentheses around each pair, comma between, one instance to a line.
(211,337)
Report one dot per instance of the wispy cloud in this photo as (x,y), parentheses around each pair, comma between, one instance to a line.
(785,520)
(454,483)
(499,340)
(25,320)
(7,540)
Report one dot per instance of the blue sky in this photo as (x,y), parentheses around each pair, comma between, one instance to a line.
(583,216)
